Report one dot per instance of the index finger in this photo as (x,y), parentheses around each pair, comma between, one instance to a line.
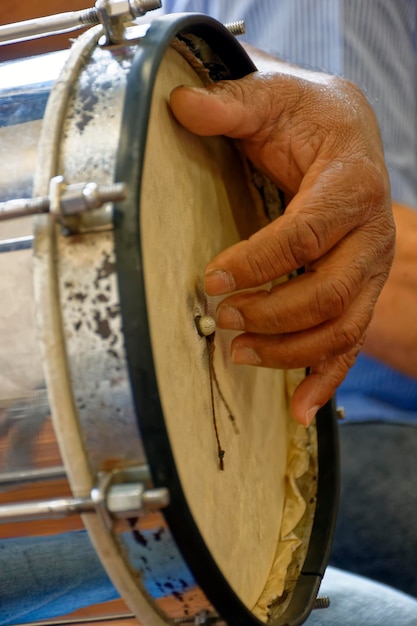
(311,226)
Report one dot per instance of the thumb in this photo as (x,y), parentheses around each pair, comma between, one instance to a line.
(226,108)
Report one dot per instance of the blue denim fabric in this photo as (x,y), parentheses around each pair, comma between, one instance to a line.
(43,577)
(376,533)
(374,392)
(357,601)
(50,576)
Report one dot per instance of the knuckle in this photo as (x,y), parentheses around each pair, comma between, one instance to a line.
(347,336)
(334,370)
(309,240)
(262,265)
(266,261)
(374,192)
(259,311)
(333,298)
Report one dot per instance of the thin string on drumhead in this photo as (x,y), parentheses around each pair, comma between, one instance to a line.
(206,327)
(222,398)
(210,348)
(214,382)
(213,377)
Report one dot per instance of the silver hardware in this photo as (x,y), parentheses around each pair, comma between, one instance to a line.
(236,28)
(65,201)
(80,620)
(125,501)
(98,497)
(129,8)
(113,15)
(44,509)
(340,412)
(155,499)
(139,8)
(31,476)
(22,207)
(72,20)
(202,618)
(322,602)
(44,26)
(17,243)
(119,500)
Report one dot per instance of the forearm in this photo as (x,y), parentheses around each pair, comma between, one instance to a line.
(392,334)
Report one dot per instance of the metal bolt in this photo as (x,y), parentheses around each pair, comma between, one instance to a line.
(236,28)
(95,196)
(322,602)
(127,500)
(155,499)
(22,207)
(114,8)
(340,412)
(141,7)
(127,8)
(88,16)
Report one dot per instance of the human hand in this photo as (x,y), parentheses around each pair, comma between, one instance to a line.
(315,136)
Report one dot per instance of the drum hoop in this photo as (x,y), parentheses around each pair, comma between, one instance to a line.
(62,402)
(142,371)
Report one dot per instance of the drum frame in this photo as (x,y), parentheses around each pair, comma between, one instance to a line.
(139,350)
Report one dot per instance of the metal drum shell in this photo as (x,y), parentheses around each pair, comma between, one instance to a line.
(105,295)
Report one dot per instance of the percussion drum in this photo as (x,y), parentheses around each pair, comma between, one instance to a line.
(229,502)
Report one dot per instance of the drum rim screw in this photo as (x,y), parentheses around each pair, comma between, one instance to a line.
(236,28)
(340,412)
(141,7)
(322,602)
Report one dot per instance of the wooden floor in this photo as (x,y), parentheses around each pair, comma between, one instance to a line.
(101,611)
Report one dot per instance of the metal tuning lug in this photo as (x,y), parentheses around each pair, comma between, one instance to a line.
(115,497)
(111,13)
(67,202)
(110,499)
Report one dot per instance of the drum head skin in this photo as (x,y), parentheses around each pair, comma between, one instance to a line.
(189,199)
(186,218)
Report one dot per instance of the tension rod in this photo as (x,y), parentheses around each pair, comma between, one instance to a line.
(72,20)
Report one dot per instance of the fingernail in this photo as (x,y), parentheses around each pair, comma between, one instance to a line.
(230,318)
(219,282)
(245,356)
(310,415)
